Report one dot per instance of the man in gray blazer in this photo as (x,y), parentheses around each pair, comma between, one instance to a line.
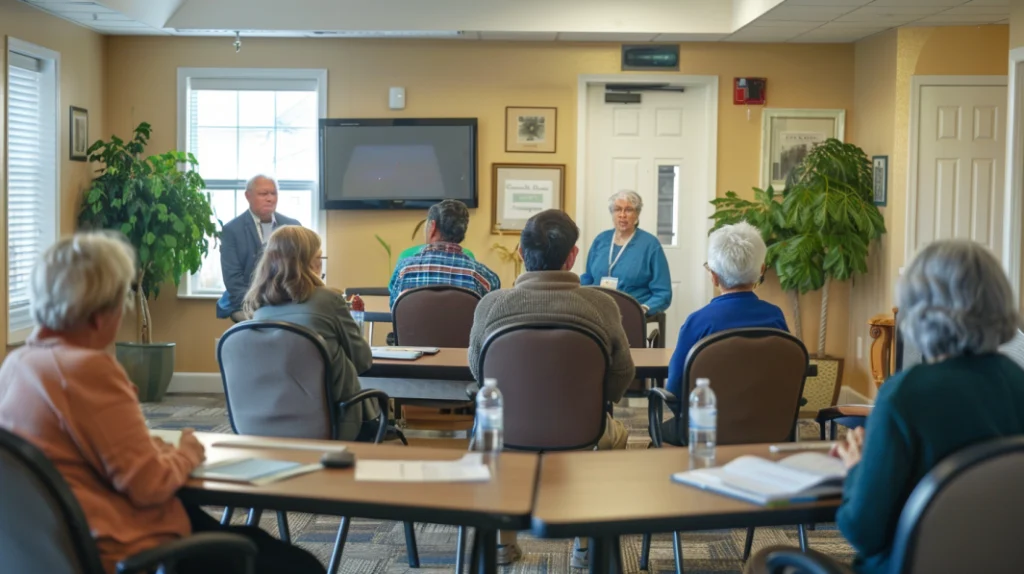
(242,241)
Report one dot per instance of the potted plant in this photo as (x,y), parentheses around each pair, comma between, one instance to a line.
(818,230)
(158,203)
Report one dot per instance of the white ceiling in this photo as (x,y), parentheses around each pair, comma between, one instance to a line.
(802,21)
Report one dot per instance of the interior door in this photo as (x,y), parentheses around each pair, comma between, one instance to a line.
(961,150)
(653,148)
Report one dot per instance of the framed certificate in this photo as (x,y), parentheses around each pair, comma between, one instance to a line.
(519,191)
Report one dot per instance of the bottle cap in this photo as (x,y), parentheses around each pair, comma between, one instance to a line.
(490,382)
(356,303)
(703,382)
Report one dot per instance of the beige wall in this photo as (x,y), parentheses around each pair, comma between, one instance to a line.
(461,80)
(884,67)
(81,84)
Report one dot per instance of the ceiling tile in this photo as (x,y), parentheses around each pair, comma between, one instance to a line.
(849,3)
(604,37)
(519,36)
(925,3)
(805,13)
(960,19)
(689,37)
(1003,11)
(835,35)
(872,13)
(786,24)
(1004,3)
(841,25)
(752,34)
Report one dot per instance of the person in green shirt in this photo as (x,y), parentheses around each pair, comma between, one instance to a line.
(415,249)
(956,307)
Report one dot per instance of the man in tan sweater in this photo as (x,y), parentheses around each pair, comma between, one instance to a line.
(548,291)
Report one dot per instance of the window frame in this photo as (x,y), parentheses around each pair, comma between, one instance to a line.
(265,79)
(18,335)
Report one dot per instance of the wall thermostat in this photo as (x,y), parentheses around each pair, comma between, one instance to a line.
(396,98)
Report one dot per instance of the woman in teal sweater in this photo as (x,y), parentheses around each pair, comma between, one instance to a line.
(957,307)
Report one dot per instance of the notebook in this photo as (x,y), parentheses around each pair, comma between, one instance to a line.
(424,350)
(470,468)
(803,477)
(252,470)
(171,437)
(387,353)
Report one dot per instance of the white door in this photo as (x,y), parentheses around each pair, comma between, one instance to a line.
(655,148)
(961,147)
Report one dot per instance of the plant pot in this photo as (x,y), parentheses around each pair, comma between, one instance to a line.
(149,367)
(821,391)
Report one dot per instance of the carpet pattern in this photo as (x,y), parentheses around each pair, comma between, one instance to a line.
(378,547)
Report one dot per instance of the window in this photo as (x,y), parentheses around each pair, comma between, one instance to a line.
(240,123)
(32,176)
(668,193)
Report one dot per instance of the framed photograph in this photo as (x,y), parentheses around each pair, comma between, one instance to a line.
(788,135)
(880,179)
(79,134)
(530,130)
(519,191)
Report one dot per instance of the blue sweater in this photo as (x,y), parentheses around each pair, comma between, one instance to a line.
(921,416)
(730,311)
(642,270)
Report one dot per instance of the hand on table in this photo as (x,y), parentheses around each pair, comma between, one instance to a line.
(190,444)
(850,450)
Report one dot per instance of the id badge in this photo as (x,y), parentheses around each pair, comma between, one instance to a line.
(610,282)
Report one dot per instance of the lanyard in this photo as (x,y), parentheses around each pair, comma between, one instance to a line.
(611,249)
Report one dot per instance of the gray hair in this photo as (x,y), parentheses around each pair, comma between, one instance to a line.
(451,217)
(736,254)
(954,299)
(632,197)
(79,276)
(252,181)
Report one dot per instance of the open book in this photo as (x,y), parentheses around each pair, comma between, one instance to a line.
(252,470)
(802,477)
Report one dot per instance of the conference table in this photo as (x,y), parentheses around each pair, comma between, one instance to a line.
(607,494)
(503,503)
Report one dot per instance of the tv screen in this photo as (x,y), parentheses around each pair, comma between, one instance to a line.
(397,163)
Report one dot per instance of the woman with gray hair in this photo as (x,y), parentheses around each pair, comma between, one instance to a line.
(957,307)
(736,264)
(628,258)
(67,395)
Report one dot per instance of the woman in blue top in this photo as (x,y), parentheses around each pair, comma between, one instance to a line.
(628,258)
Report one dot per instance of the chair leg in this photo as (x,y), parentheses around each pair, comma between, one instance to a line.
(225,518)
(282,527)
(832,429)
(339,546)
(677,548)
(802,532)
(410,545)
(645,551)
(254,517)
(401,436)
(460,550)
(821,429)
(748,544)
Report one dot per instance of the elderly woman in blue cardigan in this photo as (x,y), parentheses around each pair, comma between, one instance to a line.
(628,258)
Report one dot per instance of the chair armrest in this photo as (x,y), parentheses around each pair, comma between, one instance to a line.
(652,339)
(657,398)
(781,559)
(195,546)
(842,411)
(382,401)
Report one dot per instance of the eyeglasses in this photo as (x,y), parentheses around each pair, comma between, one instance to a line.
(627,210)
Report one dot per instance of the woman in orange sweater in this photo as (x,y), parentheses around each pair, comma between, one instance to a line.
(65,393)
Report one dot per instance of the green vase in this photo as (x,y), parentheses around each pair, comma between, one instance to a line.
(149,367)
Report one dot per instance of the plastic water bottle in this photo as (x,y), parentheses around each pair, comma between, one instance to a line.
(703,421)
(357,308)
(490,419)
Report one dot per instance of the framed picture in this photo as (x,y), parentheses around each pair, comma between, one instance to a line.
(530,130)
(880,178)
(79,134)
(788,135)
(519,191)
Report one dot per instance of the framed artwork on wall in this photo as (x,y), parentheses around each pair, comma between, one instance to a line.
(880,179)
(531,130)
(78,129)
(519,191)
(787,135)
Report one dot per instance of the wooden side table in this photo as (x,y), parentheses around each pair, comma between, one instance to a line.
(883,350)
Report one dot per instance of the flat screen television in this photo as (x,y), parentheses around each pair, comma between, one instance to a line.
(397,163)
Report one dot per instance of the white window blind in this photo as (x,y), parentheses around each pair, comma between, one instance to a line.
(31,178)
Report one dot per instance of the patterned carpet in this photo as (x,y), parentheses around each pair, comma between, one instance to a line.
(378,547)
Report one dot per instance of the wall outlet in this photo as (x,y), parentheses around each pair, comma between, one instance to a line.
(860,348)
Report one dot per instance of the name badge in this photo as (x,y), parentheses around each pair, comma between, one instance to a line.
(610,282)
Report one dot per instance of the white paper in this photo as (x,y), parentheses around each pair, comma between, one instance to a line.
(470,468)
(171,437)
(278,445)
(526,197)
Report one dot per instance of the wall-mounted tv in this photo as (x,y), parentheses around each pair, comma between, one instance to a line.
(397,163)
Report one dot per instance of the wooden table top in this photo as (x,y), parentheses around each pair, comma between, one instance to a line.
(503,502)
(453,364)
(612,493)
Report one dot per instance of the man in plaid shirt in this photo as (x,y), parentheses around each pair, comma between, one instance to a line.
(442,261)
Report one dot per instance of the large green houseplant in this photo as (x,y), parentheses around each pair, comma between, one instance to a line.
(158,203)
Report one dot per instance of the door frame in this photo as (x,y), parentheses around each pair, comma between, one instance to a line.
(917,85)
(708,178)
(1014,180)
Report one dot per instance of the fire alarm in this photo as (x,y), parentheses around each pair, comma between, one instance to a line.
(749,91)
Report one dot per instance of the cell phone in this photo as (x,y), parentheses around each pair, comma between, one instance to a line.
(342,459)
